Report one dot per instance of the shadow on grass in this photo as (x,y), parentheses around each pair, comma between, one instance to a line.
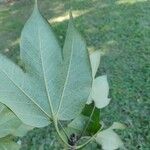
(121,31)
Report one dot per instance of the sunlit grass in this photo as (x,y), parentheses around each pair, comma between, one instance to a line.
(66,17)
(129,1)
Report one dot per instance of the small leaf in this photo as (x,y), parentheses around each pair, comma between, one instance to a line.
(118,125)
(109,140)
(7,144)
(8,121)
(90,146)
(95,61)
(79,123)
(100,91)
(94,124)
(93,120)
(10,124)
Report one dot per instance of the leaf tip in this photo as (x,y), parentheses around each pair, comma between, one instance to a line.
(36,4)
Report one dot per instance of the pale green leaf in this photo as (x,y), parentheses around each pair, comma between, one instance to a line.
(7,144)
(79,123)
(118,125)
(90,146)
(10,124)
(8,121)
(109,140)
(88,121)
(95,61)
(50,84)
(100,91)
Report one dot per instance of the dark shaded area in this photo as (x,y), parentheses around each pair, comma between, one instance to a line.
(122,33)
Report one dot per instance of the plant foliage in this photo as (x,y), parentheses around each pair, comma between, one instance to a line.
(10,126)
(53,84)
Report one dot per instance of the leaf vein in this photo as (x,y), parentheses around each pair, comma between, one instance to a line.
(26,94)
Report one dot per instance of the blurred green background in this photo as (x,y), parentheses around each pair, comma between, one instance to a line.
(120,29)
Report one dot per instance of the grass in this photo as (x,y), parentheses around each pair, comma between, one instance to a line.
(121,30)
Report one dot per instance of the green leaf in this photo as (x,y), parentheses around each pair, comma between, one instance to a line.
(51,85)
(94,124)
(10,124)
(109,140)
(95,61)
(7,144)
(100,91)
(86,118)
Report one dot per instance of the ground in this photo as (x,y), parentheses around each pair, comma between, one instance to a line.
(120,29)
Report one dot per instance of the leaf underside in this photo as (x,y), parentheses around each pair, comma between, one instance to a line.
(55,83)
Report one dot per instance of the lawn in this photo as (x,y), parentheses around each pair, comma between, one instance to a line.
(120,29)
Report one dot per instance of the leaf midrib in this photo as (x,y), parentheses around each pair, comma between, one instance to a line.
(44,76)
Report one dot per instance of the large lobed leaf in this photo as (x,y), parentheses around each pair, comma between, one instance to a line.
(53,84)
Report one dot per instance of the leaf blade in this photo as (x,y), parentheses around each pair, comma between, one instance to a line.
(44,86)
(100,91)
(45,50)
(109,140)
(77,76)
(15,96)
(8,144)
(95,61)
